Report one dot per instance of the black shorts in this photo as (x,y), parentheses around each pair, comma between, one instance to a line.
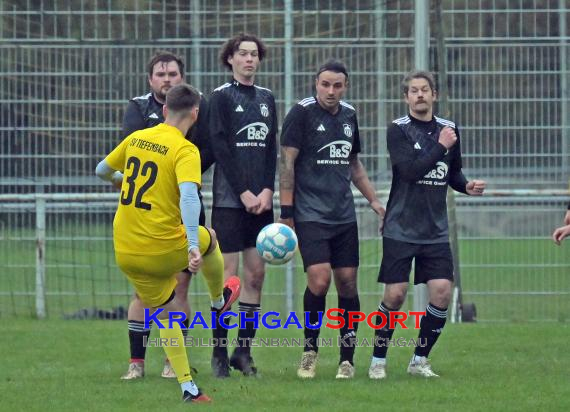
(432,261)
(325,243)
(236,229)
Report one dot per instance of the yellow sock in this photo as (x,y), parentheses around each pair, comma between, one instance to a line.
(213,271)
(177,354)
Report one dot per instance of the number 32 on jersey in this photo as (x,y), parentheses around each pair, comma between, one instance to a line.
(149,170)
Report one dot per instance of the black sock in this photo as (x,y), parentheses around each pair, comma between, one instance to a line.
(312,304)
(186,322)
(348,336)
(431,327)
(137,333)
(221,335)
(246,334)
(382,336)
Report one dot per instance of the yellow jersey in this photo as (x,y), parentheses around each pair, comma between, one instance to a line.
(154,162)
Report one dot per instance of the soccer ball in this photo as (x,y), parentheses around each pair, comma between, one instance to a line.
(276,243)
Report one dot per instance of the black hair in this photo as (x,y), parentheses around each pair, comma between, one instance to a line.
(163,56)
(334,66)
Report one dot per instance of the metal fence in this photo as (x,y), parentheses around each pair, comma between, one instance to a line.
(57,259)
(68,69)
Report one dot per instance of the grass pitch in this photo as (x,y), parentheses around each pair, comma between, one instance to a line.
(58,365)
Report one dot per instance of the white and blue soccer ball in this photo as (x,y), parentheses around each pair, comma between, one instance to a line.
(276,243)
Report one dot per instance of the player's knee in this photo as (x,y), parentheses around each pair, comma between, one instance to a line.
(135,301)
(254,280)
(395,298)
(254,269)
(136,309)
(181,291)
(347,288)
(320,286)
(440,292)
(213,241)
(442,298)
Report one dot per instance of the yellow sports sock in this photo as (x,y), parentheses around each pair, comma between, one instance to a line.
(213,271)
(176,354)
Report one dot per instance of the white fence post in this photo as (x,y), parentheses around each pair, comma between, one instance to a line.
(41,256)
(421,60)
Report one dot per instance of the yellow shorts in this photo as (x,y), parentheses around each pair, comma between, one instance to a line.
(154,276)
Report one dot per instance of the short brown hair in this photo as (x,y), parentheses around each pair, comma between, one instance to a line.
(163,56)
(418,74)
(232,45)
(182,97)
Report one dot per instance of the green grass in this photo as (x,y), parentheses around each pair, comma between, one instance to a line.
(75,365)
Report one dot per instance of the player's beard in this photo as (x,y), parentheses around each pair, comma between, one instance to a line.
(161,95)
(423,109)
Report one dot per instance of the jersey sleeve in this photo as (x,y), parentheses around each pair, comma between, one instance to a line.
(456,162)
(133,119)
(116,159)
(221,143)
(457,180)
(356,138)
(190,212)
(271,164)
(398,148)
(187,165)
(292,130)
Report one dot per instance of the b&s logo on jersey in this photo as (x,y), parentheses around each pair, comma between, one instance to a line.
(338,151)
(255,135)
(347,130)
(436,176)
(264,110)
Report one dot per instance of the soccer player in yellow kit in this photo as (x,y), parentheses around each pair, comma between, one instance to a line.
(159,173)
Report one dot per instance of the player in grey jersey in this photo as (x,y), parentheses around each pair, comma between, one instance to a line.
(243,127)
(426,158)
(319,159)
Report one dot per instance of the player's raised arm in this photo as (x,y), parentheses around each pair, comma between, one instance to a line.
(411,163)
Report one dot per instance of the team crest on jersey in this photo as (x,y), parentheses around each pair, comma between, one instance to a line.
(264,110)
(347,130)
